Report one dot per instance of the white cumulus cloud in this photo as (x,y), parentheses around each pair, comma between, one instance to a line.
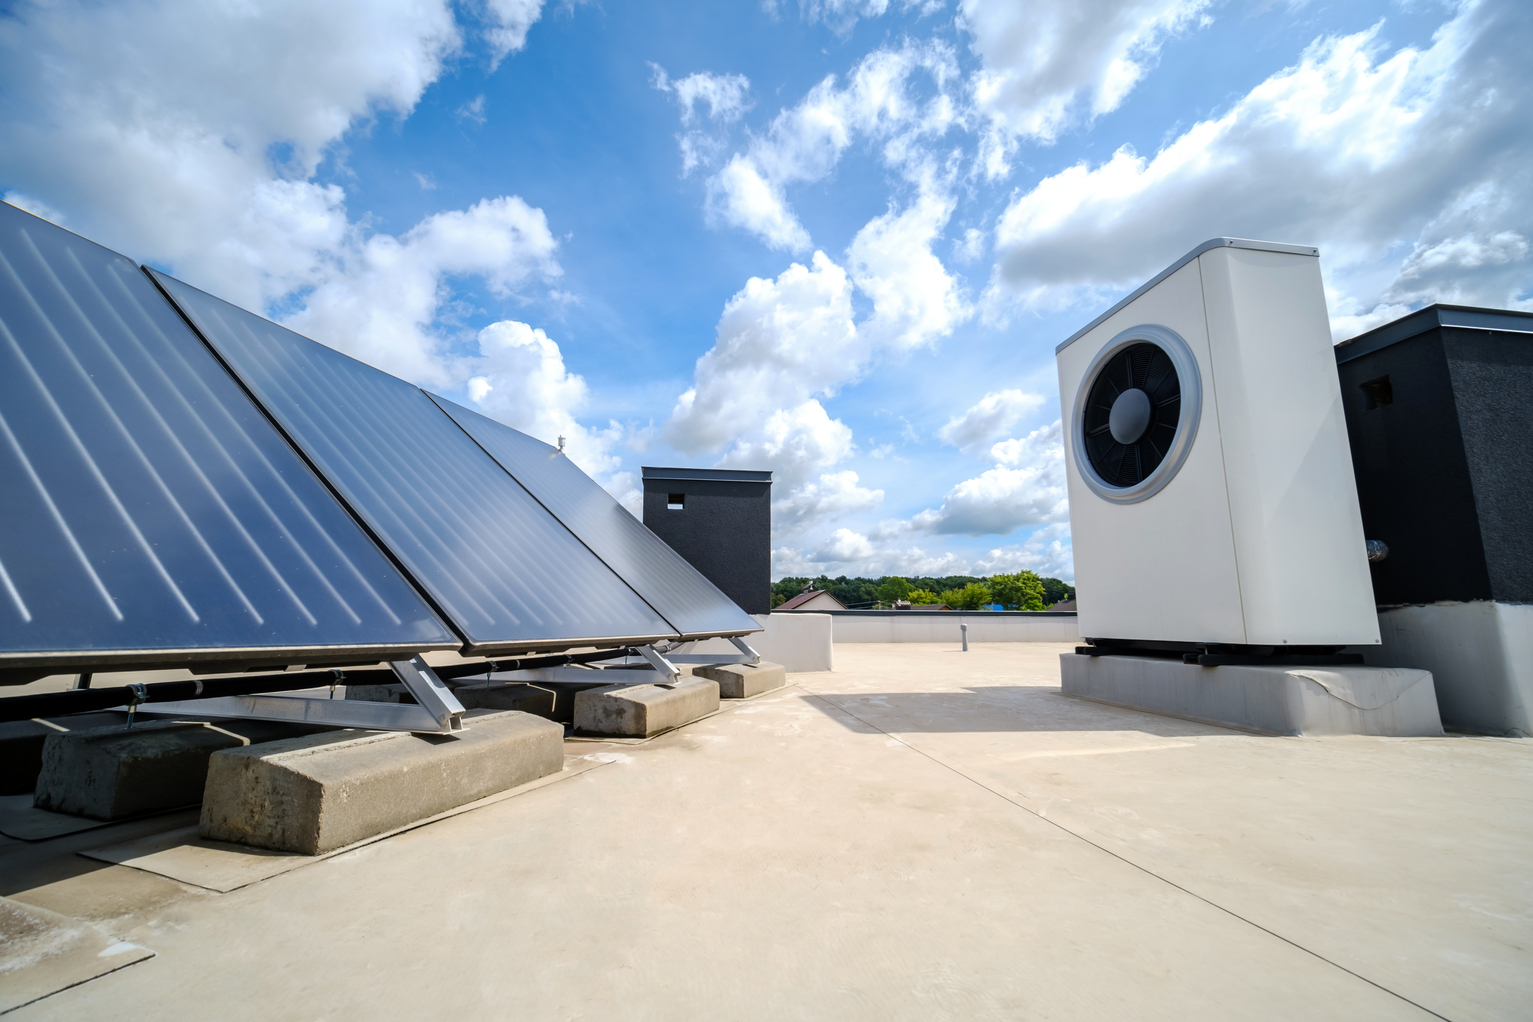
(806,141)
(510,22)
(779,343)
(1026,487)
(1047,552)
(727,98)
(915,299)
(379,303)
(1361,152)
(1050,65)
(989,419)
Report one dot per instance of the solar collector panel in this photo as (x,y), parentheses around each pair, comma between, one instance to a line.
(507,574)
(681,593)
(151,513)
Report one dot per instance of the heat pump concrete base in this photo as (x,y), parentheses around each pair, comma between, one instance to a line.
(638,711)
(1387,701)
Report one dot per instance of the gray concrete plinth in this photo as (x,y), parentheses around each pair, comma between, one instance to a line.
(1279,700)
(113,772)
(392,693)
(21,746)
(507,696)
(741,681)
(315,794)
(639,711)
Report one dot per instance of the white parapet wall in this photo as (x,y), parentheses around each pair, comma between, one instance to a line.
(800,642)
(943,625)
(1480,655)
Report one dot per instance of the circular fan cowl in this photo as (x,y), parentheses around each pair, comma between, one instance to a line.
(1138,378)
(1136,414)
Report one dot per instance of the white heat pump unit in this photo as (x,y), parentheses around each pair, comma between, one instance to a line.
(1212,499)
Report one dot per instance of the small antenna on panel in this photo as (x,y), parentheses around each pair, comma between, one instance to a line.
(561,445)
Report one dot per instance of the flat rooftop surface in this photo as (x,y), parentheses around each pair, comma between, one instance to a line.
(921,834)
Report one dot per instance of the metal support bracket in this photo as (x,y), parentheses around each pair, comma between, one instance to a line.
(747,656)
(436,709)
(744,647)
(669,671)
(430,692)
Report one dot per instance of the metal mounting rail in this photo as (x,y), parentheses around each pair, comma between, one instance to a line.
(656,662)
(435,710)
(747,655)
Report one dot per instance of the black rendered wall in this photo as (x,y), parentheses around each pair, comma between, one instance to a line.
(1445,469)
(724,531)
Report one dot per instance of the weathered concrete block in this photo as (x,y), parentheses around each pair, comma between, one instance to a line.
(644,710)
(1281,700)
(112,772)
(507,696)
(313,795)
(741,681)
(393,693)
(21,746)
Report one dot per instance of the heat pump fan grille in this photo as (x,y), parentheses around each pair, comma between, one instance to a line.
(1131,414)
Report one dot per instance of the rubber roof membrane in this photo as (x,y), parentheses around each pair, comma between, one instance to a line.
(681,593)
(152,514)
(505,573)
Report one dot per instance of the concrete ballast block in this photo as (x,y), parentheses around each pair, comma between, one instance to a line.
(741,681)
(316,794)
(644,710)
(507,696)
(1281,700)
(21,745)
(113,772)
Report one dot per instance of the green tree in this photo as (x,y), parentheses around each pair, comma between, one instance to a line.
(891,589)
(1022,590)
(918,597)
(971,597)
(1054,590)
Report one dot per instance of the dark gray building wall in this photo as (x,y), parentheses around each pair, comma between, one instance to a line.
(724,528)
(1445,468)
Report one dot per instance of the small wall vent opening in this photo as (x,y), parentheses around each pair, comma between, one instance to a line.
(675,501)
(1377,393)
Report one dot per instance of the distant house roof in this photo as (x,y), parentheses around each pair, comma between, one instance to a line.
(1064,604)
(814,599)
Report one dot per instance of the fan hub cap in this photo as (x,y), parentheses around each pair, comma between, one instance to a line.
(1130,416)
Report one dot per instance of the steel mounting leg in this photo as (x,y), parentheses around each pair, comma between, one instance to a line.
(752,657)
(434,696)
(669,672)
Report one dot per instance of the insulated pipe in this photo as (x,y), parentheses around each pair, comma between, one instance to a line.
(963,627)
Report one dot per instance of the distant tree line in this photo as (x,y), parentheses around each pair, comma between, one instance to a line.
(1021,590)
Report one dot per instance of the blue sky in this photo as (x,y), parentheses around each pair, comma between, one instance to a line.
(834,239)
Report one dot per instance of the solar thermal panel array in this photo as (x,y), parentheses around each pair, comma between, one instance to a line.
(151,513)
(683,595)
(504,571)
